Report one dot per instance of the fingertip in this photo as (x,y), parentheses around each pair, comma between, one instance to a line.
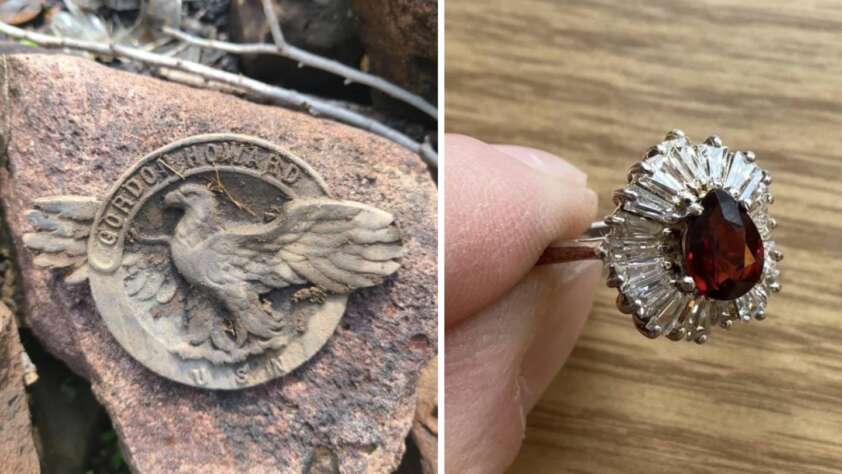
(545,163)
(500,214)
(575,209)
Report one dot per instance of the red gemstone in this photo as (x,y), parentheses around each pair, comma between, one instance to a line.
(723,251)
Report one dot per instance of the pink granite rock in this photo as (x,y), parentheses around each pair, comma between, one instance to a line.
(17,448)
(73,127)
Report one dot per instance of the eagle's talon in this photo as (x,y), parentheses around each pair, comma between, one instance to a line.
(313,294)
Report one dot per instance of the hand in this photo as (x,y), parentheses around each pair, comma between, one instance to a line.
(509,325)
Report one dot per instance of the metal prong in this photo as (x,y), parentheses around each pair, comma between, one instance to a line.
(695,209)
(760,316)
(701,339)
(767,179)
(770,198)
(654,151)
(686,199)
(676,133)
(713,140)
(637,169)
(666,265)
(677,334)
(726,324)
(624,195)
(641,326)
(750,156)
(601,253)
(686,284)
(775,287)
(776,255)
(614,220)
(624,305)
(639,310)
(772,223)
(614,281)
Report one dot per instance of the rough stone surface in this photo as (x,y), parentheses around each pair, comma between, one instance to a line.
(73,127)
(400,39)
(17,448)
(425,427)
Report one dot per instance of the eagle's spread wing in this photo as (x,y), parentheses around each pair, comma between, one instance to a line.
(62,225)
(338,246)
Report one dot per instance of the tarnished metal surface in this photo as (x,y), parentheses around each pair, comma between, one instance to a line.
(218,261)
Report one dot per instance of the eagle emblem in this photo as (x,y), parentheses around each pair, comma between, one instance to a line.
(224,251)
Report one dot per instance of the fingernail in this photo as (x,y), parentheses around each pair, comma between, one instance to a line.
(544,163)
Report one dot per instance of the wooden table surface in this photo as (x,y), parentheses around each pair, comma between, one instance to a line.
(599,82)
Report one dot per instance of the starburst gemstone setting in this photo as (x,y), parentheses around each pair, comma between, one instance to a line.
(689,246)
(723,251)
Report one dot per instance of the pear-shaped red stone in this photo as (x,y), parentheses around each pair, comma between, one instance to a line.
(723,251)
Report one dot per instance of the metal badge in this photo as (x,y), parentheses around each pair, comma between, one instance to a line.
(219,261)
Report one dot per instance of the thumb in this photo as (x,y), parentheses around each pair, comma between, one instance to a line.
(503,206)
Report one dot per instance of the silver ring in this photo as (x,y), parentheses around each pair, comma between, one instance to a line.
(689,245)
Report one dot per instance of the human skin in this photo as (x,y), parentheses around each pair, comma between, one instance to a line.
(509,325)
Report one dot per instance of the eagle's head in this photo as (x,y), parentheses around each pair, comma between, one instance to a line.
(190,196)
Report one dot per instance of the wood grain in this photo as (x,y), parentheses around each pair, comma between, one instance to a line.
(598,82)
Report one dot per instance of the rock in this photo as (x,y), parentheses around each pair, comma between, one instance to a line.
(17,447)
(425,426)
(74,127)
(326,27)
(401,41)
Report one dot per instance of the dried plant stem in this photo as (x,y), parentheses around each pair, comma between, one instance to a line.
(169,167)
(218,185)
(309,59)
(274,24)
(276,94)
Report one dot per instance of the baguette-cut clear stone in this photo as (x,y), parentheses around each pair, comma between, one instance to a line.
(648,205)
(714,158)
(667,316)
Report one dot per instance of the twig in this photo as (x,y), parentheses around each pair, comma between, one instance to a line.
(335,67)
(218,185)
(280,95)
(309,59)
(167,165)
(197,81)
(274,24)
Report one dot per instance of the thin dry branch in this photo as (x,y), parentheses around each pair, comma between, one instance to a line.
(312,60)
(287,97)
(350,74)
(274,24)
(169,167)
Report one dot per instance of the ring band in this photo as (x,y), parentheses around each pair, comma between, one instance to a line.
(586,247)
